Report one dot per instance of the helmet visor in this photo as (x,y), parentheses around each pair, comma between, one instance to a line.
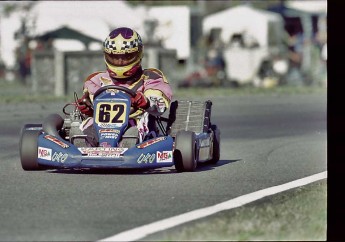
(121,59)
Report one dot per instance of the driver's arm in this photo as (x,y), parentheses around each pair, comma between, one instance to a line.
(159,103)
(158,92)
(92,83)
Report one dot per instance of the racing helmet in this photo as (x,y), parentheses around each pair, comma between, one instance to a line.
(123,51)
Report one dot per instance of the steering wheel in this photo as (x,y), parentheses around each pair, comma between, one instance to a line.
(124,89)
(133,112)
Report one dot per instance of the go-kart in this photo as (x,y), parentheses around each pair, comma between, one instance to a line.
(185,138)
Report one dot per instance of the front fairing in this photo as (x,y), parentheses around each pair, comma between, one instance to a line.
(111,112)
(56,152)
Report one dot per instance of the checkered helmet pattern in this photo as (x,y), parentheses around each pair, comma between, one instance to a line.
(123,52)
(121,41)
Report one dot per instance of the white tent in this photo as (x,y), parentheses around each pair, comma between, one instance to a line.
(311,6)
(92,18)
(260,24)
(173,28)
(242,64)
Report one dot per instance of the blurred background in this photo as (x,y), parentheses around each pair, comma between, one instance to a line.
(52,46)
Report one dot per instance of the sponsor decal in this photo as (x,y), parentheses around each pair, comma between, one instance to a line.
(56,141)
(164,156)
(159,102)
(112,91)
(116,131)
(112,152)
(107,126)
(104,144)
(44,153)
(60,157)
(150,142)
(148,158)
(109,136)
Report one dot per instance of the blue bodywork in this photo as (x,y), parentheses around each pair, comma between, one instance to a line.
(59,153)
(111,117)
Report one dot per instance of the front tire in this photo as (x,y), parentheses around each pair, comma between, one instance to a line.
(215,145)
(185,153)
(29,150)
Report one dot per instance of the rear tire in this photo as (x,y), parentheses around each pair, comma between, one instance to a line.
(29,150)
(216,145)
(185,153)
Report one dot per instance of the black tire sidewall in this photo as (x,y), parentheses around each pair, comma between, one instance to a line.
(29,149)
(216,144)
(185,151)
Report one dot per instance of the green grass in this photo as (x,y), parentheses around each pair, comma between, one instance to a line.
(226,91)
(299,214)
(14,92)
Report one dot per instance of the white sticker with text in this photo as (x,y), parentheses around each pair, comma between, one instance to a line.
(44,153)
(164,156)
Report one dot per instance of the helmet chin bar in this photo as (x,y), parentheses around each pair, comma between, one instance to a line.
(123,72)
(132,78)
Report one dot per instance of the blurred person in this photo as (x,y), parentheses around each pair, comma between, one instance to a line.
(215,67)
(295,56)
(295,50)
(123,53)
(210,73)
(23,55)
(2,69)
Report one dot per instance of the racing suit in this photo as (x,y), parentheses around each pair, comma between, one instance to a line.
(151,82)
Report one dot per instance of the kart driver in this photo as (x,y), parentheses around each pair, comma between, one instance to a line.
(123,52)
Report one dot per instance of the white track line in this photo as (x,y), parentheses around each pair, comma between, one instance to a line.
(145,230)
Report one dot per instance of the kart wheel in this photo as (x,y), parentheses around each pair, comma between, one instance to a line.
(185,153)
(216,144)
(28,150)
(30,127)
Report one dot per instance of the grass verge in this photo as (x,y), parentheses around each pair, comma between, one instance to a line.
(247,90)
(14,92)
(299,214)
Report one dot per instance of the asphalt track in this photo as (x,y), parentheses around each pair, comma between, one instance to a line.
(266,141)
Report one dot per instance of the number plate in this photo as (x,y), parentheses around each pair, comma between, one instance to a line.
(111,113)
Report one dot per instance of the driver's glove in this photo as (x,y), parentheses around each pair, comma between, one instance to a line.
(140,101)
(84,105)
